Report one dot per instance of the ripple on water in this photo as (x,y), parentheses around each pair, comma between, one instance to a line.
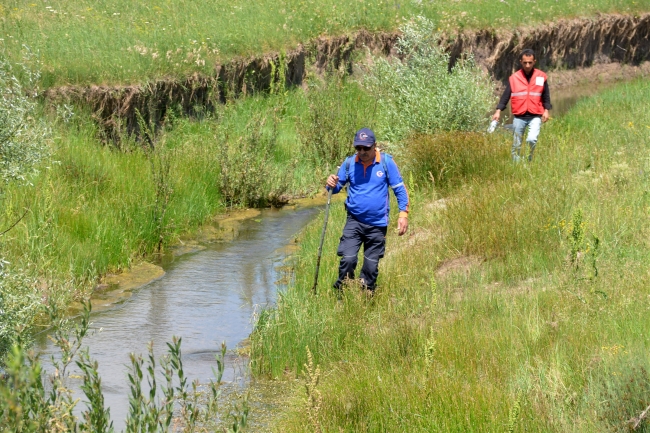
(205,297)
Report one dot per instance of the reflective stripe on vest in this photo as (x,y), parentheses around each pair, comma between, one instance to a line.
(527,96)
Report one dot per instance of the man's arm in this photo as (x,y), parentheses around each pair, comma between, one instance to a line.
(503,102)
(401,194)
(337,181)
(546,101)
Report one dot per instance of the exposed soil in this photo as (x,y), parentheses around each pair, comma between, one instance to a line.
(565,44)
(458,265)
(561,46)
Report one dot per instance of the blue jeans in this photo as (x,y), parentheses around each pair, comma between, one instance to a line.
(534,125)
(373,239)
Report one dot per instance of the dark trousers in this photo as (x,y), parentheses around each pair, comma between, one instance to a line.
(373,239)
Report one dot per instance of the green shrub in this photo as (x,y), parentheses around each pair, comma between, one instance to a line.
(27,405)
(23,134)
(419,94)
(24,140)
(19,305)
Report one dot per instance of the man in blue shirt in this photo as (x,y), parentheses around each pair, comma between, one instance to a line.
(368,175)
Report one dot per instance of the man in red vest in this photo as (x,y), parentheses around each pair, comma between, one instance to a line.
(527,89)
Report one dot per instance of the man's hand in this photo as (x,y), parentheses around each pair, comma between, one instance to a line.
(332,180)
(402,225)
(545,116)
(497,115)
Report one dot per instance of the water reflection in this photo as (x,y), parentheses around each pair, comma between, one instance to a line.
(205,298)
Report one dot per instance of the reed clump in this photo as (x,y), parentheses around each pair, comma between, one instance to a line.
(446,160)
(335,111)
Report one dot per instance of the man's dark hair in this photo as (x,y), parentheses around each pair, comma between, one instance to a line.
(527,52)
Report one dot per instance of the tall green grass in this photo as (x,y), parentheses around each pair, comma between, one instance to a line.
(500,311)
(95,208)
(118,41)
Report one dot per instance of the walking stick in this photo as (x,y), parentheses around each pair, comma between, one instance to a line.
(322,235)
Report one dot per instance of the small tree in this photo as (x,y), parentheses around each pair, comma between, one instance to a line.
(24,135)
(420,94)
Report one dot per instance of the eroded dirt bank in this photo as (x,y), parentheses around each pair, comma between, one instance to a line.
(563,45)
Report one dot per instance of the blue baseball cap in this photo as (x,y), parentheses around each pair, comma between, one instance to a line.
(364,137)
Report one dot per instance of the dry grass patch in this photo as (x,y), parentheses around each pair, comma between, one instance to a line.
(458,265)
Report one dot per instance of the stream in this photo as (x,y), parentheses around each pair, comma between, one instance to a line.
(206,297)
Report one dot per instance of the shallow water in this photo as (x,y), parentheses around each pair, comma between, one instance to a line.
(205,297)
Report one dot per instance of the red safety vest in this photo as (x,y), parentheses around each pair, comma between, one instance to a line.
(527,96)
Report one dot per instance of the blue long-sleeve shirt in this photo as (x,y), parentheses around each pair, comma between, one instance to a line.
(367,199)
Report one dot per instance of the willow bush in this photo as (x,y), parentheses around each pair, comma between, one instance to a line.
(24,144)
(420,94)
(23,134)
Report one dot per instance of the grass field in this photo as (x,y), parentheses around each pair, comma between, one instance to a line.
(117,41)
(518,302)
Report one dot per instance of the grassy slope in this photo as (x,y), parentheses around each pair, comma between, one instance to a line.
(525,341)
(91,211)
(94,209)
(118,41)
